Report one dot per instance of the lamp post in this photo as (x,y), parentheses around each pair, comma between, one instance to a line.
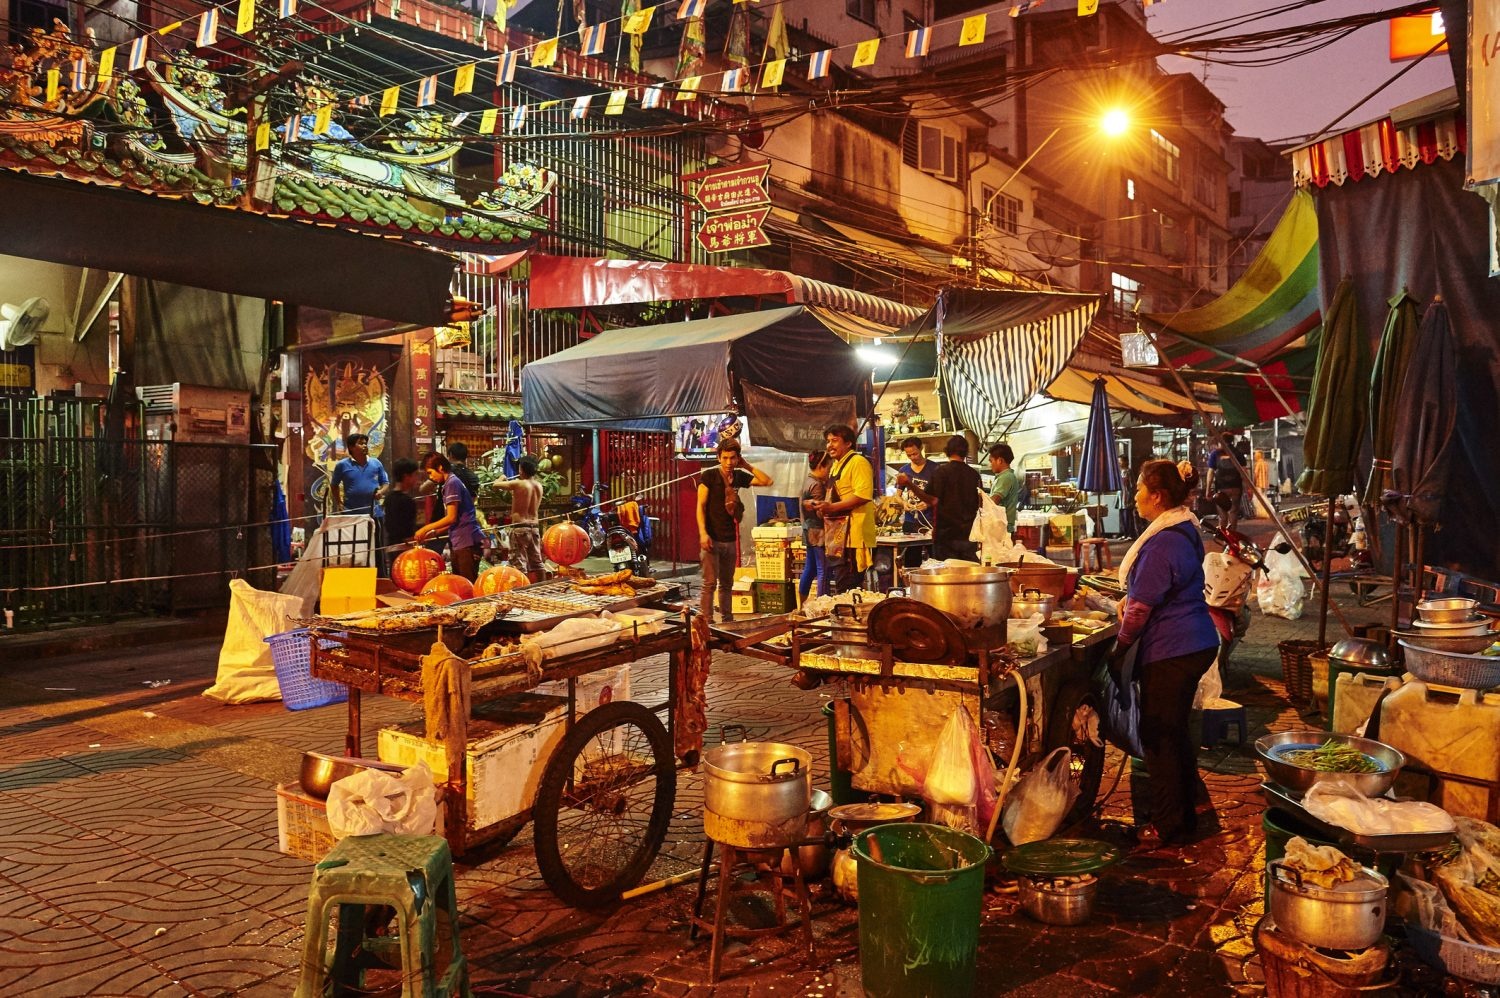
(1113,123)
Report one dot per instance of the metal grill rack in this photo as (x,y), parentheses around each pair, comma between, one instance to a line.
(539,607)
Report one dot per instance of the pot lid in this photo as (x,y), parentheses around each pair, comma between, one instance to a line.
(1361,651)
(917,632)
(1061,857)
(874,813)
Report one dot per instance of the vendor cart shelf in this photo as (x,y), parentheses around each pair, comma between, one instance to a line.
(614,765)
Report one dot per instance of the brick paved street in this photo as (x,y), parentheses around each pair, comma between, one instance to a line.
(138,835)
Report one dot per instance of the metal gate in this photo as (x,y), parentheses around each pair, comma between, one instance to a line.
(95,526)
(641,464)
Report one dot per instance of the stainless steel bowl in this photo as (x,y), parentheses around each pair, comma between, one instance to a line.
(320,772)
(1299,778)
(1361,652)
(1447,610)
(1067,904)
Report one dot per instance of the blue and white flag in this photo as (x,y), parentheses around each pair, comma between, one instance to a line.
(427,92)
(592,38)
(691,8)
(137,54)
(652,97)
(817,65)
(286,8)
(208,28)
(517,117)
(80,77)
(506,71)
(918,40)
(581,105)
(732,79)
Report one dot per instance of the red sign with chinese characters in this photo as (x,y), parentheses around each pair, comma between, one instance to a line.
(735,231)
(732,188)
(423,399)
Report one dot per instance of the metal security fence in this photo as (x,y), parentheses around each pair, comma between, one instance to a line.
(92,527)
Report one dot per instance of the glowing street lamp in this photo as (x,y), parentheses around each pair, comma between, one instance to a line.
(1114,123)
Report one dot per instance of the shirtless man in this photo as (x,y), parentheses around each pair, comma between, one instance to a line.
(525,499)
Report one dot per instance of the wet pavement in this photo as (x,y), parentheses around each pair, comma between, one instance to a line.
(138,855)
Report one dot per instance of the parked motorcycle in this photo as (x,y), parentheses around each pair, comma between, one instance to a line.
(611,538)
(1347,540)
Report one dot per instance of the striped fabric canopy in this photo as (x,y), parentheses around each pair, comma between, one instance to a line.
(1264,330)
(996,349)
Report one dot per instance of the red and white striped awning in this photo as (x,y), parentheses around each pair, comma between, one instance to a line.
(1376,148)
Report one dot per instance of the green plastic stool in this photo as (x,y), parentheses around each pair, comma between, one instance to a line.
(411,873)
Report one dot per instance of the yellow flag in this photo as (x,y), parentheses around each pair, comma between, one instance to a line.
(688,88)
(972,32)
(544,105)
(54,77)
(322,119)
(106,64)
(777,43)
(616,103)
(388,99)
(864,53)
(639,22)
(169,28)
(244,21)
(1087,7)
(487,121)
(544,54)
(463,80)
(262,136)
(770,76)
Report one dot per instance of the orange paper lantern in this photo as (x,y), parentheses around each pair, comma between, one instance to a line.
(438,597)
(501,579)
(415,567)
(460,587)
(566,543)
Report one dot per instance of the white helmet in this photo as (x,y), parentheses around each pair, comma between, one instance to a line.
(1225,580)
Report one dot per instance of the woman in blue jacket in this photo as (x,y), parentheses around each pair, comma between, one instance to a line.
(1165,617)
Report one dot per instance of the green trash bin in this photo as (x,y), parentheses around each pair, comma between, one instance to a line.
(840,780)
(919,906)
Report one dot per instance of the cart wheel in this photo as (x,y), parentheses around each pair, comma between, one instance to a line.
(1074,722)
(604,803)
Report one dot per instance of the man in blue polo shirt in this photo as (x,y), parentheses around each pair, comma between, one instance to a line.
(359,480)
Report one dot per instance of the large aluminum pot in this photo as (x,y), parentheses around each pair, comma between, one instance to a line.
(1331,919)
(758,781)
(973,595)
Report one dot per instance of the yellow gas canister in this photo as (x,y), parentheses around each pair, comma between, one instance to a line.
(1451,738)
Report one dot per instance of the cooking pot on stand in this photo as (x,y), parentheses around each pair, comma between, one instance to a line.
(756,794)
(973,595)
(1330,918)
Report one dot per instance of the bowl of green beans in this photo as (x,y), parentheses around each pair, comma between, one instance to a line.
(1298,759)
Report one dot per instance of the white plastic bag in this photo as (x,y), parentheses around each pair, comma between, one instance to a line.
(576,634)
(1280,592)
(1041,800)
(1210,687)
(245,671)
(372,801)
(1024,637)
(950,774)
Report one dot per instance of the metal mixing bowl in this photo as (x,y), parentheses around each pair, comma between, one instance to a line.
(1301,779)
(320,772)
(1448,610)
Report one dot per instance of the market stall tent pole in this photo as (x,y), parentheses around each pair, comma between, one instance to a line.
(1254,489)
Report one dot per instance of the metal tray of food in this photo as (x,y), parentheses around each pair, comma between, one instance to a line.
(542,606)
(1278,796)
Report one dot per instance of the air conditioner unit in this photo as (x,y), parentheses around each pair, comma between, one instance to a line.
(196,414)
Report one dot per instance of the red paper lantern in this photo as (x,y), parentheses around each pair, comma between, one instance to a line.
(501,579)
(415,567)
(460,587)
(566,543)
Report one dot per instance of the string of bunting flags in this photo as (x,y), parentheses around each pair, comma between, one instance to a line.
(634,22)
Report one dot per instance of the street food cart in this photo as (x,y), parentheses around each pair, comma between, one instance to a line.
(607,768)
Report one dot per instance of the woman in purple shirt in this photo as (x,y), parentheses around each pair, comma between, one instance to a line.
(459,517)
(1165,616)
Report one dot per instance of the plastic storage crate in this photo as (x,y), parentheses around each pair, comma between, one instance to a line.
(302,823)
(290,655)
(774,597)
(773,560)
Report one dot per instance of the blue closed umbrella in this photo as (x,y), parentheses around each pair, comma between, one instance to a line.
(1099,465)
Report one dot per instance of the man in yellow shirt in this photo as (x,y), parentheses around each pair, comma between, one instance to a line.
(851,485)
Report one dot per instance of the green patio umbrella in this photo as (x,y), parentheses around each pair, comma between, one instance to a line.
(1340,397)
(1391,359)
